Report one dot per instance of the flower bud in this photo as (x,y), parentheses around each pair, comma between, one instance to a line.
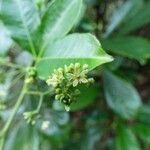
(85,66)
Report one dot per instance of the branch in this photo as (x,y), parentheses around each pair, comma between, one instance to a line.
(5,129)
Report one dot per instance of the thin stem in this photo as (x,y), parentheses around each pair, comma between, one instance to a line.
(2,143)
(39,92)
(18,103)
(5,129)
(9,64)
(48,92)
(14,73)
(40,103)
(34,93)
(16,79)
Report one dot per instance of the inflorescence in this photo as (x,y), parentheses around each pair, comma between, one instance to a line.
(66,81)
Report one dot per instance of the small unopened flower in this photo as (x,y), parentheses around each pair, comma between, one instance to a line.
(45,125)
(31,117)
(29,80)
(31,71)
(31,75)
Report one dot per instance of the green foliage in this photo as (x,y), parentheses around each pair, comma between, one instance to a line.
(140,19)
(49,55)
(125,138)
(22,20)
(121,96)
(133,47)
(81,48)
(58,20)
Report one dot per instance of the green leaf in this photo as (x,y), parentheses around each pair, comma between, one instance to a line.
(24,137)
(121,96)
(144,113)
(132,47)
(125,139)
(22,19)
(140,19)
(82,48)
(143,131)
(59,19)
(88,95)
(91,137)
(5,40)
(127,9)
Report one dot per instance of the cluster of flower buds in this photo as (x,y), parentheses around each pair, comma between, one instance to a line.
(66,80)
(31,75)
(31,117)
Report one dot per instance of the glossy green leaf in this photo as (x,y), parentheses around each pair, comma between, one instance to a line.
(132,47)
(144,113)
(88,95)
(59,19)
(22,20)
(82,48)
(121,96)
(126,139)
(142,131)
(127,9)
(140,19)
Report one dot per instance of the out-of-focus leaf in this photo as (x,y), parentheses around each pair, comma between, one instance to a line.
(5,40)
(59,19)
(92,136)
(140,19)
(74,48)
(24,58)
(58,127)
(143,131)
(120,14)
(125,139)
(118,61)
(90,2)
(89,137)
(22,20)
(121,96)
(23,137)
(131,47)
(87,96)
(144,113)
(56,121)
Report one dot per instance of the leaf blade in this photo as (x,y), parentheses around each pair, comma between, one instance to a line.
(121,96)
(125,139)
(59,19)
(22,20)
(129,46)
(71,50)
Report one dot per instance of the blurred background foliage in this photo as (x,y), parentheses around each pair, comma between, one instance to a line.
(115,112)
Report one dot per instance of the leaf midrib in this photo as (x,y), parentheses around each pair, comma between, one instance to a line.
(32,47)
(57,23)
(98,57)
